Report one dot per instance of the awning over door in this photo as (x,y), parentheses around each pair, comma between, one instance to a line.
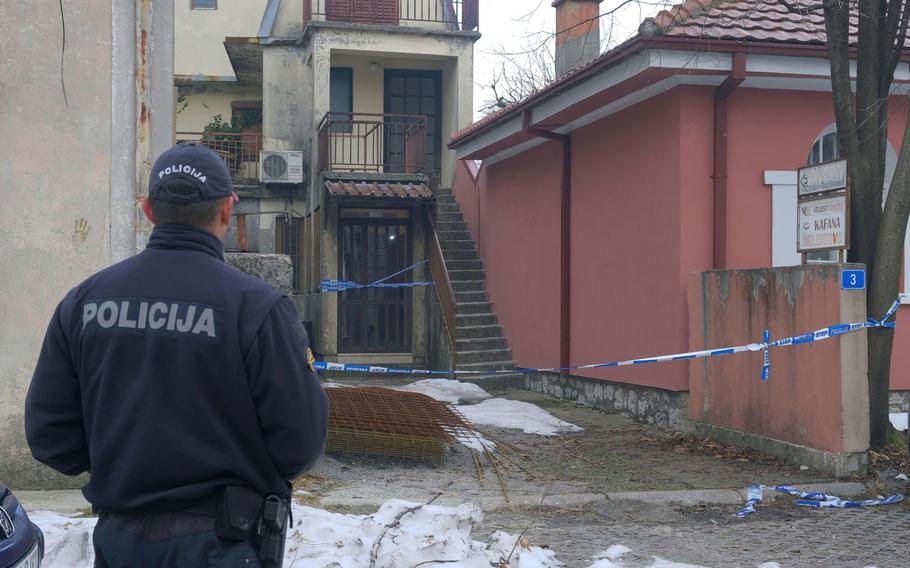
(377,190)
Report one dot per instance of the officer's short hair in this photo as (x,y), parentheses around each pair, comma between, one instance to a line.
(199,214)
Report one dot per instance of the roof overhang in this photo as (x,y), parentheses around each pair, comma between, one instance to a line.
(375,190)
(245,54)
(636,71)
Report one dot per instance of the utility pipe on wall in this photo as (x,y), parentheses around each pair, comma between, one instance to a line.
(565,234)
(721,95)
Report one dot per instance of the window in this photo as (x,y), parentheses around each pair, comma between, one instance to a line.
(341,97)
(203,4)
(246,115)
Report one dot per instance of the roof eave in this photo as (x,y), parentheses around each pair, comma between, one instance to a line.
(634,46)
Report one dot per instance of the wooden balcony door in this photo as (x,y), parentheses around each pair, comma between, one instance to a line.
(416,93)
(374,320)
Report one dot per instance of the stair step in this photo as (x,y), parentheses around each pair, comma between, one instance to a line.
(453,264)
(456,225)
(455,275)
(487,365)
(468,332)
(472,296)
(460,254)
(466,244)
(470,320)
(484,356)
(448,235)
(446,217)
(447,205)
(479,344)
(467,285)
(475,308)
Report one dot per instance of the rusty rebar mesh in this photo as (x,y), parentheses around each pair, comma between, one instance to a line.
(380,421)
(390,423)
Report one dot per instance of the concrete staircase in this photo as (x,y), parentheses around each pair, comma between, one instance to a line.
(480,343)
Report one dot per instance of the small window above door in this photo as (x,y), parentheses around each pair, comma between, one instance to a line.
(203,4)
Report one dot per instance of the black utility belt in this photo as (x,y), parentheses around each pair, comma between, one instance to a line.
(244,514)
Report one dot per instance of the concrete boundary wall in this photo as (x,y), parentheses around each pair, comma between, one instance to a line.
(814,409)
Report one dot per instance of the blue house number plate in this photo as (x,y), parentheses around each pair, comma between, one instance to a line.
(853,280)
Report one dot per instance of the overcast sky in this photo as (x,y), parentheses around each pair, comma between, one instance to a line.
(513,25)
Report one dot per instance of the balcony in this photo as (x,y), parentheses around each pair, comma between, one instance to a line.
(373,143)
(239,150)
(443,15)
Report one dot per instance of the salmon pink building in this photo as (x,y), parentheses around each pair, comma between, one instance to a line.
(675,152)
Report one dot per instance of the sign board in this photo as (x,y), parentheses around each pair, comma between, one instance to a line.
(829,176)
(822,223)
(853,279)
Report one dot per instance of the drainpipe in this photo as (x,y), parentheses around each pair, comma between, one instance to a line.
(721,95)
(565,235)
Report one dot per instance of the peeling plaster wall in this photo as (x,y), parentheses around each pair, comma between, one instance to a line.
(288,19)
(56,161)
(286,98)
(69,183)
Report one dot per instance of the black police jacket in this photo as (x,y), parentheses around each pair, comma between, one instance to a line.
(171,374)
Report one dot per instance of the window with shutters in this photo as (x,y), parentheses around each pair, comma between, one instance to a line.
(378,12)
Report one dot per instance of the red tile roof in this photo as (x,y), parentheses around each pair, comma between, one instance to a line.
(763,21)
(741,20)
(379,190)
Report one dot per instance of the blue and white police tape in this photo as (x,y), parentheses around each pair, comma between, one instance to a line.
(809,337)
(328,285)
(815,500)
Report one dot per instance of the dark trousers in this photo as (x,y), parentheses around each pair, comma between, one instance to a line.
(166,540)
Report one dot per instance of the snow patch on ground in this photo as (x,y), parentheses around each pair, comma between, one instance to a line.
(504,413)
(474,440)
(898,420)
(322,538)
(448,390)
(67,540)
(608,557)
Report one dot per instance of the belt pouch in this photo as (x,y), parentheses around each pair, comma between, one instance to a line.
(238,512)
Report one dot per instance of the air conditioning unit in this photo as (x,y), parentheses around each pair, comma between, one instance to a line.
(280,166)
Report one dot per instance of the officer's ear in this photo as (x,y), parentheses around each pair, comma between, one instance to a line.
(147,209)
(227,207)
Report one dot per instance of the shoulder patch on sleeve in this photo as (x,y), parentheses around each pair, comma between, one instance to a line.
(310,359)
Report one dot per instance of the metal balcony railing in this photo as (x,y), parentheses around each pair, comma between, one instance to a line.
(373,143)
(239,150)
(451,15)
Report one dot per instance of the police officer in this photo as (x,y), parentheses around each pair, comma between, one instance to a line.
(171,378)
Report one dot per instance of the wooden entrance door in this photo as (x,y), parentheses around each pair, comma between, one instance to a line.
(414,93)
(374,320)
